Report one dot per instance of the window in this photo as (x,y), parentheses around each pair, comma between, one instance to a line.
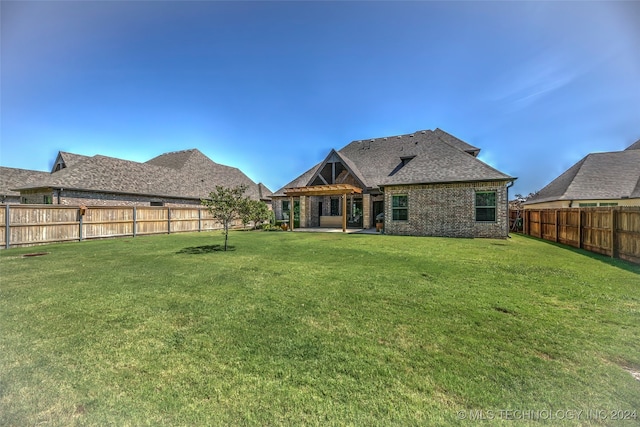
(335,207)
(587,205)
(285,209)
(47,200)
(485,206)
(400,208)
(608,204)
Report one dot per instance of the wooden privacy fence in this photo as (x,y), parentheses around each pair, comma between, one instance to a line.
(24,225)
(613,231)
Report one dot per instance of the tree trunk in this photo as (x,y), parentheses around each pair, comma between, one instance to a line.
(226,235)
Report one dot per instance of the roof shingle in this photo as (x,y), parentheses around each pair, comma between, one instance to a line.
(597,176)
(436,157)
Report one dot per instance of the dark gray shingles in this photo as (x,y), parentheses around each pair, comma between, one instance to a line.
(634,146)
(597,176)
(12,178)
(439,162)
(456,142)
(192,175)
(437,157)
(71,159)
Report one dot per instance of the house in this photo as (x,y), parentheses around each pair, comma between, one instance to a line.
(427,183)
(598,179)
(13,178)
(178,178)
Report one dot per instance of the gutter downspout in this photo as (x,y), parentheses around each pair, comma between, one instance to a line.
(60,190)
(508,217)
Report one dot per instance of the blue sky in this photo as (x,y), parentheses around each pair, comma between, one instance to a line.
(271,87)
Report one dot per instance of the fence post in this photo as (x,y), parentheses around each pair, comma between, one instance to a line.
(613,232)
(80,225)
(135,224)
(557,214)
(7,223)
(199,219)
(579,228)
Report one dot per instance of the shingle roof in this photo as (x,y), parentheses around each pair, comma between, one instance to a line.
(71,159)
(10,178)
(182,174)
(634,146)
(597,176)
(436,157)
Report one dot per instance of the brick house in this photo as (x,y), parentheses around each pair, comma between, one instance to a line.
(598,179)
(428,183)
(11,178)
(178,178)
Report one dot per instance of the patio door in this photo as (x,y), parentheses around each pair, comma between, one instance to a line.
(355,213)
(296,214)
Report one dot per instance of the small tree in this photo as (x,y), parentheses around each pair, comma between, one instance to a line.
(225,205)
(245,212)
(259,213)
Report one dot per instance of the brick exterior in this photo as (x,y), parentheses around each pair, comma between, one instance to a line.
(77,198)
(446,210)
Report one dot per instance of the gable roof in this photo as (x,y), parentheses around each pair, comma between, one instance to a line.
(14,177)
(597,176)
(634,146)
(183,174)
(65,160)
(436,157)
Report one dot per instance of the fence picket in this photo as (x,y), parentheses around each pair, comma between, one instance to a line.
(613,231)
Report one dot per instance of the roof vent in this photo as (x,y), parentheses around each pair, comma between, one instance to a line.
(398,136)
(411,136)
(385,138)
(423,132)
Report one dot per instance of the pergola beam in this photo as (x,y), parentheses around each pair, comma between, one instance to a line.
(322,190)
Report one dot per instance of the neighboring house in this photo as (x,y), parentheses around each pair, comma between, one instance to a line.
(428,183)
(13,177)
(179,178)
(599,179)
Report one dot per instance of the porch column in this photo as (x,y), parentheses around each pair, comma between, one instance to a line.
(366,210)
(303,212)
(344,212)
(291,213)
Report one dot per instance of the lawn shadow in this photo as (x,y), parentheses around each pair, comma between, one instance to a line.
(614,262)
(207,249)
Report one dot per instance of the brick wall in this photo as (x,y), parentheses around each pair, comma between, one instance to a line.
(446,210)
(76,198)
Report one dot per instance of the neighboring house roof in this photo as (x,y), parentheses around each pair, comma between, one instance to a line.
(598,176)
(634,146)
(421,157)
(182,174)
(65,160)
(14,177)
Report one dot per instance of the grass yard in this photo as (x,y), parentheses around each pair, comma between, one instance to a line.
(317,329)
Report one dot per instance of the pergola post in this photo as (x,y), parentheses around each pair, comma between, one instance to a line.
(344,212)
(291,213)
(320,190)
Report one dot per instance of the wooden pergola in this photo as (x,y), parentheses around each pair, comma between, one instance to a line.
(323,190)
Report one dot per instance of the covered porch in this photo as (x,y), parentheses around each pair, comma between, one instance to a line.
(345,193)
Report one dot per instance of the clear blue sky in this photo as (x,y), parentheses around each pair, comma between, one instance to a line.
(271,87)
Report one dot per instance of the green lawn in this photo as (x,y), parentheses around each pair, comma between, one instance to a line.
(316,329)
